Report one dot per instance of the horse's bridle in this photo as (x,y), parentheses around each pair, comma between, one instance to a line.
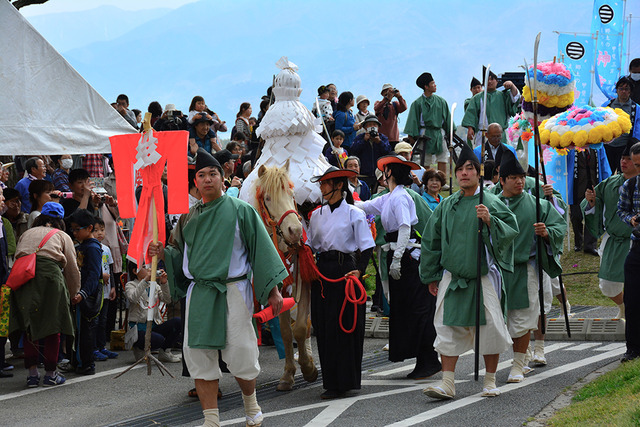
(270,220)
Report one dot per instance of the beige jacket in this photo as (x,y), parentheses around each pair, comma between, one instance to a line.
(136,291)
(59,248)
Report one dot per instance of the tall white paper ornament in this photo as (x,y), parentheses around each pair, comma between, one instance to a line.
(290,132)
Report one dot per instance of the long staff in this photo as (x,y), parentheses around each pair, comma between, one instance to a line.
(453,109)
(481,252)
(539,164)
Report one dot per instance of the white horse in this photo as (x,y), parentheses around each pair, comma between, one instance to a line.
(275,202)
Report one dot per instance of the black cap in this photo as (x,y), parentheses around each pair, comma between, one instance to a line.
(509,165)
(474,82)
(423,80)
(224,155)
(200,118)
(491,74)
(626,152)
(205,160)
(333,172)
(501,149)
(466,154)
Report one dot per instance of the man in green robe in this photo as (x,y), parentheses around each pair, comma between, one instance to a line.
(599,208)
(428,116)
(523,303)
(501,106)
(448,264)
(213,250)
(475,87)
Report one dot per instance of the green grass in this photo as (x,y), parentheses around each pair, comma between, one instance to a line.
(612,400)
(582,289)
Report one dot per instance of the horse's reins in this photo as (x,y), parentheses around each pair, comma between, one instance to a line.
(352,282)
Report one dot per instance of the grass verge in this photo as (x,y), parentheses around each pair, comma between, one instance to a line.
(612,400)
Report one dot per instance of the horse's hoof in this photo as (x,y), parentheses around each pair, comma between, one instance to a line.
(284,386)
(310,376)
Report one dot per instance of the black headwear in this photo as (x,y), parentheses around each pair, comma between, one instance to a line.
(510,165)
(491,75)
(626,152)
(423,80)
(466,154)
(205,160)
(474,82)
(501,149)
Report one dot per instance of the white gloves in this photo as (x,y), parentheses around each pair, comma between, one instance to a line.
(404,233)
(394,269)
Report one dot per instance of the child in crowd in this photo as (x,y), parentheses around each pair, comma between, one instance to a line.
(88,300)
(163,335)
(326,111)
(197,106)
(335,154)
(362,102)
(100,352)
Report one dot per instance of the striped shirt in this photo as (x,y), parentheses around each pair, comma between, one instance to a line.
(629,207)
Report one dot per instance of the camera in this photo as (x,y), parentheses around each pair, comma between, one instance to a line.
(373,133)
(174,115)
(395,91)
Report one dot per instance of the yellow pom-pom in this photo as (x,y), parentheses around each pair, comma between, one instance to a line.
(580,138)
(554,139)
(625,124)
(595,135)
(566,139)
(544,136)
(615,129)
(607,133)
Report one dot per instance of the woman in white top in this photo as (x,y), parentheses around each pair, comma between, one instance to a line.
(411,331)
(340,237)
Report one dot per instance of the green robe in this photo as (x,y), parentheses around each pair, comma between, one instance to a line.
(431,115)
(605,220)
(500,108)
(208,230)
(530,187)
(450,242)
(423,212)
(524,208)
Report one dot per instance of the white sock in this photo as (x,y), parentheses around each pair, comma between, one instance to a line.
(621,311)
(251,407)
(448,382)
(211,418)
(518,364)
(490,380)
(538,348)
(527,357)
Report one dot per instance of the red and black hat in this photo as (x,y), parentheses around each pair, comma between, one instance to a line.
(334,172)
(395,158)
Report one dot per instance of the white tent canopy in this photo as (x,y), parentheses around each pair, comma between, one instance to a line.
(46,107)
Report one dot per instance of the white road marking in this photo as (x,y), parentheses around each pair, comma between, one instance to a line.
(69,381)
(444,409)
(614,346)
(585,346)
(547,350)
(393,371)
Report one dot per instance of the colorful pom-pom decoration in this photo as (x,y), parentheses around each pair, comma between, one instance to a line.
(555,88)
(578,127)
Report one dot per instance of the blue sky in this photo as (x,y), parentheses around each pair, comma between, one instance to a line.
(226,50)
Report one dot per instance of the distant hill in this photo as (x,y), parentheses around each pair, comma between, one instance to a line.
(226,50)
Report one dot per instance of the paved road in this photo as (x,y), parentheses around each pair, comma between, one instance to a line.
(386,398)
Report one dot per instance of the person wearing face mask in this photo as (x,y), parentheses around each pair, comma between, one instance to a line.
(369,147)
(634,76)
(60,176)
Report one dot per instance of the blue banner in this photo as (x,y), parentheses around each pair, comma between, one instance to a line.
(555,166)
(608,23)
(577,54)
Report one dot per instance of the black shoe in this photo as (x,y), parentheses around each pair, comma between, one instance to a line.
(424,372)
(629,355)
(374,309)
(576,249)
(591,252)
(331,394)
(88,370)
(4,374)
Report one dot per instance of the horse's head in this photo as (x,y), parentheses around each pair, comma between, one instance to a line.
(277,206)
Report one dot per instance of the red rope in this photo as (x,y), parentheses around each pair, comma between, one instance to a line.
(352,282)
